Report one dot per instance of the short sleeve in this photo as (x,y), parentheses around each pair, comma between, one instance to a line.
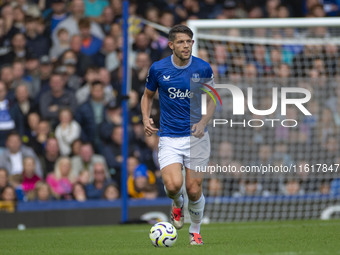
(209,75)
(151,79)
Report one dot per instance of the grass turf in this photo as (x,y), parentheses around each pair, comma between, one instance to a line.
(254,238)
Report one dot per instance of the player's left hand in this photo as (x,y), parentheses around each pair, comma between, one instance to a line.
(198,130)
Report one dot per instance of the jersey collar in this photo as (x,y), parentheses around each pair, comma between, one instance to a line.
(180,67)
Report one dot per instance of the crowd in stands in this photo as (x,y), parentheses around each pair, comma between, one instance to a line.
(60,89)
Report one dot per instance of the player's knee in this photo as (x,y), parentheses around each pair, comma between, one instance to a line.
(173,187)
(194,192)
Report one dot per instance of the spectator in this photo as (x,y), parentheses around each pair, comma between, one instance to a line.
(8,199)
(95,190)
(259,59)
(50,155)
(37,43)
(291,186)
(29,8)
(229,10)
(116,33)
(7,76)
(74,81)
(57,15)
(107,18)
(71,22)
(91,75)
(19,18)
(158,41)
(143,44)
(52,101)
(42,192)
(62,178)
(45,72)
(29,177)
(150,154)
(6,122)
(109,93)
(21,108)
(94,8)
(12,157)
(38,142)
(264,155)
(70,60)
(62,45)
(283,12)
(329,150)
(324,187)
(19,77)
(113,117)
(111,192)
(271,8)
(83,61)
(86,160)
(152,14)
(78,192)
(107,56)
(33,120)
(112,152)
(84,177)
(141,181)
(215,188)
(90,43)
(7,14)
(220,56)
(324,131)
(3,179)
(18,50)
(249,186)
(75,146)
(32,75)
(90,115)
(143,63)
(67,131)
(210,9)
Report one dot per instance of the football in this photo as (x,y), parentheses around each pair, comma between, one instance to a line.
(163,234)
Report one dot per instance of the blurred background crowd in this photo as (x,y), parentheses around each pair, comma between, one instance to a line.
(60,94)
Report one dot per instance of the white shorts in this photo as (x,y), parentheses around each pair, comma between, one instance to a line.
(189,151)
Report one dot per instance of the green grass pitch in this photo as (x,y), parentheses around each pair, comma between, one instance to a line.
(254,238)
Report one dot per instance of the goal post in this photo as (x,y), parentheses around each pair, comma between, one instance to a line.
(196,25)
(273,161)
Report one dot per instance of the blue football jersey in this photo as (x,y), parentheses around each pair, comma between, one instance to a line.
(179,103)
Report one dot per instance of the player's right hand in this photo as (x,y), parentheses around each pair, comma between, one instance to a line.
(148,127)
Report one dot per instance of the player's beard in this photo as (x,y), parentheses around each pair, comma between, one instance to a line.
(181,57)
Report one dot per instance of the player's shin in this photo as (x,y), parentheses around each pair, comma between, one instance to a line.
(196,209)
(177,198)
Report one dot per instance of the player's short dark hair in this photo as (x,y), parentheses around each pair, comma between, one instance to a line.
(179,29)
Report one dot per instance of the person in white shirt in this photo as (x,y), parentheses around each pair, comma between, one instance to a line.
(67,131)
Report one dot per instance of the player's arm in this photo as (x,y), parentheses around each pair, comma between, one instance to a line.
(198,128)
(146,105)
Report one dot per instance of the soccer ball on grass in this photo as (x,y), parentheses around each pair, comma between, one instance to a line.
(163,234)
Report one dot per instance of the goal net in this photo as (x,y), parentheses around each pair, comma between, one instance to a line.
(275,145)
